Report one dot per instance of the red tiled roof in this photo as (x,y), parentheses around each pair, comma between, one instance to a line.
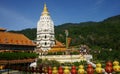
(2,29)
(15,39)
(58,44)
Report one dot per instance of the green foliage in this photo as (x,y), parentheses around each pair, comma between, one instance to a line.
(52,63)
(80,63)
(105,55)
(39,61)
(75,53)
(55,53)
(16,55)
(104,34)
(46,62)
(66,64)
(30,33)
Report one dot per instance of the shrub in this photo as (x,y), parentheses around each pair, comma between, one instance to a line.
(16,55)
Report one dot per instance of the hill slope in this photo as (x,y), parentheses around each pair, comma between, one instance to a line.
(105,34)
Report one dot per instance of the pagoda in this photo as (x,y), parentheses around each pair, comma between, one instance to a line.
(45,31)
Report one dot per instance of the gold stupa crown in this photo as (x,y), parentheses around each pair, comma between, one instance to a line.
(45,10)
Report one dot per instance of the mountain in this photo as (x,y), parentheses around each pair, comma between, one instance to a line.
(29,32)
(105,34)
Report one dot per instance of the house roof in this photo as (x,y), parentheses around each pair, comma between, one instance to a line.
(14,39)
(58,49)
(2,29)
(58,44)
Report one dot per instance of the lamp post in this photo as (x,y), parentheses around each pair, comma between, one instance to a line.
(66,33)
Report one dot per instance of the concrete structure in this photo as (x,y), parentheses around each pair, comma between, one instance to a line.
(67,58)
(45,31)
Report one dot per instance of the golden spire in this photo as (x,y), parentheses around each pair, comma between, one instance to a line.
(45,10)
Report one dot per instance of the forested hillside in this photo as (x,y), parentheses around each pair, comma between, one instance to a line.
(105,34)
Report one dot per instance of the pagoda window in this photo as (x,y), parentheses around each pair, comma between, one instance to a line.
(45,36)
(45,43)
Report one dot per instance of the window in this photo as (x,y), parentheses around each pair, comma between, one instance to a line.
(45,43)
(45,36)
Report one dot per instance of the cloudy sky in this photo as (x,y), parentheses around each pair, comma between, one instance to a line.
(21,14)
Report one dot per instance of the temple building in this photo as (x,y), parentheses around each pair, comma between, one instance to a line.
(14,42)
(45,34)
(45,31)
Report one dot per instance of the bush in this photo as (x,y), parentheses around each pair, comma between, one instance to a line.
(16,55)
(46,62)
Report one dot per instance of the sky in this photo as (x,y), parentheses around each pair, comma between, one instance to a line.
(22,14)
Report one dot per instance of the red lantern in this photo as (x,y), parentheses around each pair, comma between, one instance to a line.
(73,71)
(109,63)
(108,69)
(60,70)
(49,70)
(90,69)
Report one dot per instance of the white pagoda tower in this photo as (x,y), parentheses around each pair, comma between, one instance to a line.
(45,31)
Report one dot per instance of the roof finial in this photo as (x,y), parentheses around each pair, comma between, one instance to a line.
(45,10)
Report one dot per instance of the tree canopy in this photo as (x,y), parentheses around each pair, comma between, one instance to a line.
(105,34)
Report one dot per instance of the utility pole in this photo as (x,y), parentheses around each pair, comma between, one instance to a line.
(66,33)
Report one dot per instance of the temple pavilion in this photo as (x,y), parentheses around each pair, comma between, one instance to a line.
(14,42)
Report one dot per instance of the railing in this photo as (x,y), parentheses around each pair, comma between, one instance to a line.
(66,58)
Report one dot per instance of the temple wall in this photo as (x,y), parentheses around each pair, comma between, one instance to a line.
(66,58)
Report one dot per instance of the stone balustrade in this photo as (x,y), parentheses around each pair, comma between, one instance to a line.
(66,58)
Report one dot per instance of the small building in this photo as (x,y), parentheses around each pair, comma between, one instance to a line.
(14,42)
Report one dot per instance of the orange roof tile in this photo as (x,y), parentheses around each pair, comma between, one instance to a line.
(15,39)
(2,29)
(58,44)
(57,49)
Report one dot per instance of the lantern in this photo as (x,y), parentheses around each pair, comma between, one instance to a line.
(49,70)
(45,69)
(116,66)
(73,71)
(66,70)
(108,67)
(98,68)
(90,69)
(55,71)
(81,69)
(109,63)
(60,70)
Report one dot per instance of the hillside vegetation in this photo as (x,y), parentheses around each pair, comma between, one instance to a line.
(104,34)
